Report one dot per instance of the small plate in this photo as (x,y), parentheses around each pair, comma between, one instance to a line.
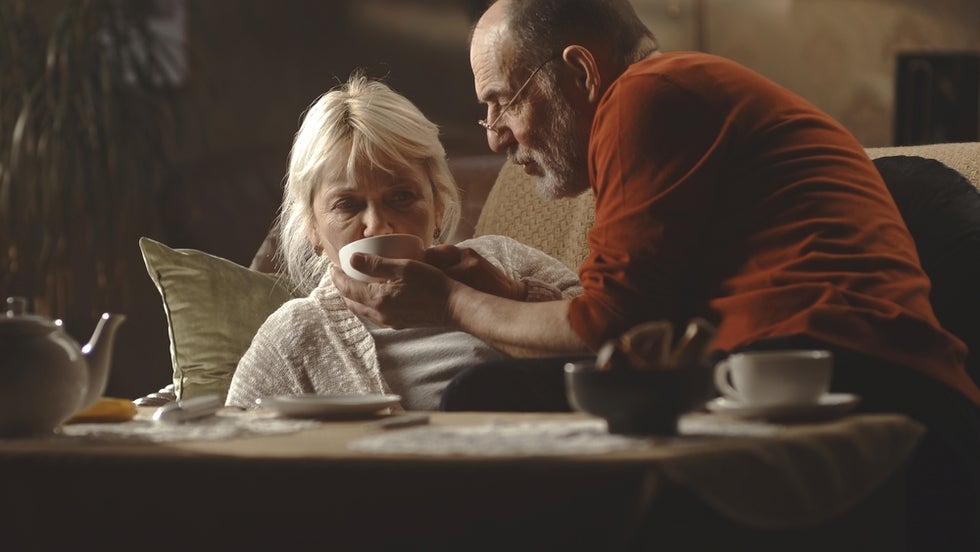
(829,405)
(321,406)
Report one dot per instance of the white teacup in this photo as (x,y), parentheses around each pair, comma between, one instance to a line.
(770,378)
(394,246)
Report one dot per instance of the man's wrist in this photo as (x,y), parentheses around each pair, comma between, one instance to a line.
(455,302)
(521,289)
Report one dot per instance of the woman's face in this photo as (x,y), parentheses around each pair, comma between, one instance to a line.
(376,203)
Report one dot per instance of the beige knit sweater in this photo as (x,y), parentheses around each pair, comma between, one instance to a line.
(317,345)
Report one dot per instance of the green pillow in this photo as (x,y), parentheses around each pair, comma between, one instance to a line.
(213,308)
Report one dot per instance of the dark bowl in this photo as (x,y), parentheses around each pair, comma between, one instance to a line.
(637,402)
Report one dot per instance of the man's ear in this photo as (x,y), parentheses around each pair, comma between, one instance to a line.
(587,77)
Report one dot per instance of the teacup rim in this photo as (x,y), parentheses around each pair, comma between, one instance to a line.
(577,366)
(794,353)
(380,237)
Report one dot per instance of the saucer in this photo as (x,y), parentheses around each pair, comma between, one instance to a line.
(829,405)
(321,406)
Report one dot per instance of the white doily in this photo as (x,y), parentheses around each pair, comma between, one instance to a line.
(533,438)
(725,426)
(501,438)
(224,426)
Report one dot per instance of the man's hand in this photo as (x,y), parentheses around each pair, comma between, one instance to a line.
(413,293)
(419,294)
(470,268)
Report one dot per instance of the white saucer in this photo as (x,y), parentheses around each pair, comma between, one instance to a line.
(829,405)
(321,406)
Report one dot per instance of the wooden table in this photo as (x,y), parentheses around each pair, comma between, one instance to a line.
(835,484)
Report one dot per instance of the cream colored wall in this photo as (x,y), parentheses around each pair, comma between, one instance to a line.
(839,54)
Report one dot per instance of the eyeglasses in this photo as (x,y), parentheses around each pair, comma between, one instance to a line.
(492,125)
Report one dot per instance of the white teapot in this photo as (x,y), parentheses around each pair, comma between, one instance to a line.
(45,377)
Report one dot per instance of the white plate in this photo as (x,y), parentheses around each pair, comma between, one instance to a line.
(320,406)
(829,405)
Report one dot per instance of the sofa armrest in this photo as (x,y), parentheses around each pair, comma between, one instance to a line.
(557,227)
(963,157)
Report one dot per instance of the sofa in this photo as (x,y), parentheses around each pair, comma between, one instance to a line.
(214,305)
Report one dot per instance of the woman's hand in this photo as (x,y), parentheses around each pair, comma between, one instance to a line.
(468,267)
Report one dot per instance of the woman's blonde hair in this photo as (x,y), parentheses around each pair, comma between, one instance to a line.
(362,123)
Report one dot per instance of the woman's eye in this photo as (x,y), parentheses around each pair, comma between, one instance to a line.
(346,205)
(401,198)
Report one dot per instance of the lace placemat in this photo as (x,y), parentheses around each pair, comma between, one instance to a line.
(496,437)
(544,437)
(500,438)
(225,425)
(721,425)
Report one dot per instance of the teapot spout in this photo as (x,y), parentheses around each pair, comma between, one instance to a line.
(98,354)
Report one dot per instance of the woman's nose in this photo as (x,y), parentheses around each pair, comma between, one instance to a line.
(376,223)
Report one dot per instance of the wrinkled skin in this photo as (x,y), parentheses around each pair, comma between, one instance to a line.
(417,293)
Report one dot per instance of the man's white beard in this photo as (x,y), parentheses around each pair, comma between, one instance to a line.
(562,158)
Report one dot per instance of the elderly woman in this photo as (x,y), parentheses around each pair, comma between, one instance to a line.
(366,162)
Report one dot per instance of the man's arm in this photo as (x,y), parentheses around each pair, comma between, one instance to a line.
(418,294)
(517,328)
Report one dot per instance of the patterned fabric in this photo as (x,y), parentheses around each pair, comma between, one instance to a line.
(557,227)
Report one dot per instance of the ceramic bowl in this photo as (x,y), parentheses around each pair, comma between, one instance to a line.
(395,246)
(635,402)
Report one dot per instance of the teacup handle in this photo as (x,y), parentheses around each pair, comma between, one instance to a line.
(722,383)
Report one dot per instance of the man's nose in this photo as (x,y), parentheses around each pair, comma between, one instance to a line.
(498,141)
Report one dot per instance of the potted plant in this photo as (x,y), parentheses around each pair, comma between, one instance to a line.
(87,121)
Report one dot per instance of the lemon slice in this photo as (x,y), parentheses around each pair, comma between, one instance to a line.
(107,409)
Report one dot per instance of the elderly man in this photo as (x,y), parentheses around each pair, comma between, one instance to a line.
(719,194)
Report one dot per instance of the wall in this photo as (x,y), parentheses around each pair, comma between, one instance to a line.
(255,65)
(839,54)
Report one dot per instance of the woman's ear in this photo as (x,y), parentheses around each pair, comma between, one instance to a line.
(314,239)
(438,202)
(585,69)
(440,211)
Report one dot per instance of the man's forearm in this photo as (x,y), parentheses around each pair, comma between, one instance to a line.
(517,328)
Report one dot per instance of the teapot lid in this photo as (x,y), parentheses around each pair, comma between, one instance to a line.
(16,306)
(15,320)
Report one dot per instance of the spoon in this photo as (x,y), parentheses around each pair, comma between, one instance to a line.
(647,346)
(693,346)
